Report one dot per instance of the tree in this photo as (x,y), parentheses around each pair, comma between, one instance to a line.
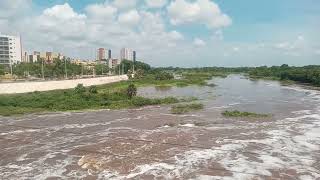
(130,74)
(2,70)
(101,69)
(131,91)
(127,65)
(139,74)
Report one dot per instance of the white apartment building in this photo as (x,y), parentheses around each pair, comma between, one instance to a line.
(126,54)
(10,49)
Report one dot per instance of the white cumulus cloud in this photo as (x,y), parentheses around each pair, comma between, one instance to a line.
(62,12)
(199,42)
(102,12)
(201,12)
(10,8)
(130,18)
(125,4)
(156,3)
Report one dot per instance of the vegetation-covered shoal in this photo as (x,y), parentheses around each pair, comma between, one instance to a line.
(185,108)
(243,114)
(80,98)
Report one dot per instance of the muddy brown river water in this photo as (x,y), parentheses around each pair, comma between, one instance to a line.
(151,143)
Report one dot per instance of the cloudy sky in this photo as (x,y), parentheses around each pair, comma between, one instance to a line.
(171,32)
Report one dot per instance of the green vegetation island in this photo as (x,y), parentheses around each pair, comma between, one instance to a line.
(244,114)
(124,94)
(185,108)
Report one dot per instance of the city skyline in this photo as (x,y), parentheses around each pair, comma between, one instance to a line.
(212,33)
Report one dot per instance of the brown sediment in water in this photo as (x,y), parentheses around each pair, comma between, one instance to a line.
(137,144)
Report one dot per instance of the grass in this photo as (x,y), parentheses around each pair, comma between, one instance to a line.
(243,114)
(185,108)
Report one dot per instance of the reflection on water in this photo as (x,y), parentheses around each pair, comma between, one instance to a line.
(151,143)
(163,88)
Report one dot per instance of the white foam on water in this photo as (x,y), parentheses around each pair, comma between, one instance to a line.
(296,152)
(182,115)
(306,177)
(22,157)
(187,125)
(37,169)
(160,170)
(302,112)
(19,132)
(152,169)
(81,126)
(314,94)
(219,107)
(233,104)
(165,126)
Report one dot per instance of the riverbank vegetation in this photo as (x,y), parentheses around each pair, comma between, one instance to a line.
(79,98)
(185,108)
(118,95)
(244,114)
(307,74)
(285,73)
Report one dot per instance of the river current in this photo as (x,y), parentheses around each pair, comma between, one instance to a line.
(152,143)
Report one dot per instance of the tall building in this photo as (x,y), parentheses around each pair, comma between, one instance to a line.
(134,56)
(109,54)
(48,57)
(43,55)
(10,49)
(34,58)
(25,57)
(101,54)
(37,53)
(126,54)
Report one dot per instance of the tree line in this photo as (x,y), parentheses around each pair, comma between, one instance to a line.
(61,68)
(306,74)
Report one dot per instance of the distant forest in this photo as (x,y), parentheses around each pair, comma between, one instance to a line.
(306,74)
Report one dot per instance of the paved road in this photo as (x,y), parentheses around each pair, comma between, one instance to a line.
(24,87)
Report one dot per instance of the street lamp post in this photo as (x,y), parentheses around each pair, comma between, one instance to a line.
(42,69)
(11,68)
(65,69)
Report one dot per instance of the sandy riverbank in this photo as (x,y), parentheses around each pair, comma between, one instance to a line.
(24,87)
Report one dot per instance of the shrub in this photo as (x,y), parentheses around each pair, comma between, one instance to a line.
(164,76)
(185,108)
(105,103)
(131,91)
(93,89)
(140,101)
(79,89)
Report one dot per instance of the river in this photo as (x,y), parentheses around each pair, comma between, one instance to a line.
(151,143)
